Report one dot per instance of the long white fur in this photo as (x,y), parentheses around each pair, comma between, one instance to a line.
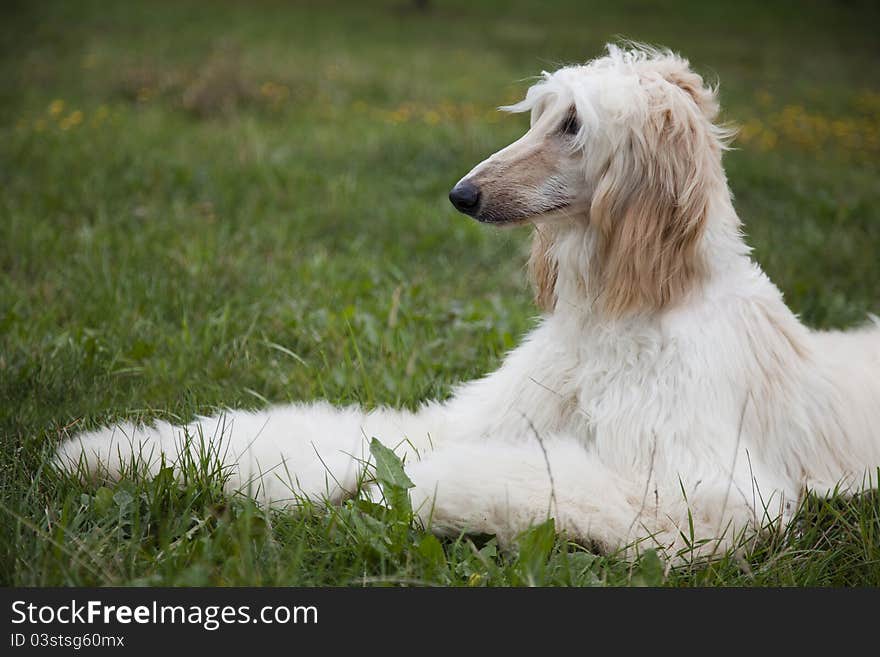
(718,412)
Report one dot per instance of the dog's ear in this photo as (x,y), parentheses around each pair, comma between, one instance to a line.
(678,72)
(543,270)
(649,209)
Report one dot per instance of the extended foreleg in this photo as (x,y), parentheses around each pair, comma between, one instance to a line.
(278,455)
(503,489)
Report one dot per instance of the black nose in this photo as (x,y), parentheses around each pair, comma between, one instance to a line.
(465,197)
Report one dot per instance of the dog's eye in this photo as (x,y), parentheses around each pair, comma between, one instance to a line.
(570,124)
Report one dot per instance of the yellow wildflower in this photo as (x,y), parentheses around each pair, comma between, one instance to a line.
(71,121)
(400,115)
(56,107)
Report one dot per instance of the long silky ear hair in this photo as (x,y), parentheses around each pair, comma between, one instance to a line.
(649,208)
(543,270)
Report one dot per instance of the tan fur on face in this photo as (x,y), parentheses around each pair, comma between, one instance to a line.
(650,208)
(517,182)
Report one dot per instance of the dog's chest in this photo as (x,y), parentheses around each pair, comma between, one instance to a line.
(629,385)
(620,376)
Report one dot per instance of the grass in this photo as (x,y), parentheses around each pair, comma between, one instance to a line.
(230,204)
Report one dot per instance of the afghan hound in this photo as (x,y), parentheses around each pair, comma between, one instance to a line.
(667,394)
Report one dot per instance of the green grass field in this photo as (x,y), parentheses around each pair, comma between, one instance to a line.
(219,204)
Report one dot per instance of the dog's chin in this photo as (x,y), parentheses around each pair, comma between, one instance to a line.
(501,220)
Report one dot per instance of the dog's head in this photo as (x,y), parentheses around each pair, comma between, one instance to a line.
(625,147)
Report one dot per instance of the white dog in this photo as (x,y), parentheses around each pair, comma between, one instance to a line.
(668,394)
